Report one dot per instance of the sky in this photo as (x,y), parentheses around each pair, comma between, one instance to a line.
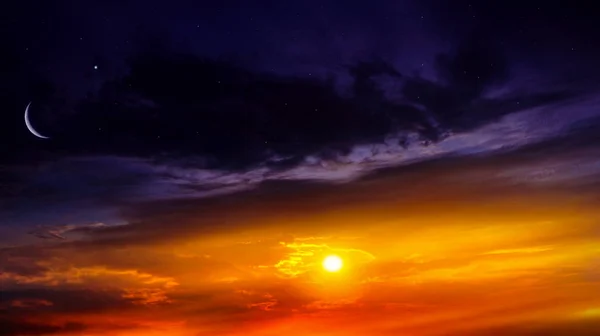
(200,162)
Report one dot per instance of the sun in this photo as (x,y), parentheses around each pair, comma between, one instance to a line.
(332,263)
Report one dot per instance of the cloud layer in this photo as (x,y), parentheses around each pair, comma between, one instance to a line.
(414,244)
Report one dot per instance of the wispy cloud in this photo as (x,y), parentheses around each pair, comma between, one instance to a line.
(522,250)
(58,231)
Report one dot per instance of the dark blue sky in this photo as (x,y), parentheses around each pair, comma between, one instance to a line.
(66,39)
(454,69)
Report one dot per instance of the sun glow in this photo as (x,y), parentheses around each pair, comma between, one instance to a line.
(332,263)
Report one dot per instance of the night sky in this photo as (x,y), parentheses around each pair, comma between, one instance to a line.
(186,168)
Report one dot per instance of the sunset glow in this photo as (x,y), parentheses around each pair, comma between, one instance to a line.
(300,168)
(510,259)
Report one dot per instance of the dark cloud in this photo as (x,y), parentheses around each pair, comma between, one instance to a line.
(172,100)
(460,100)
(19,265)
(145,193)
(183,104)
(217,109)
(484,176)
(18,327)
(475,66)
(68,300)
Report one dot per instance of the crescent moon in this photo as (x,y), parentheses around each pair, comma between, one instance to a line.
(28,124)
